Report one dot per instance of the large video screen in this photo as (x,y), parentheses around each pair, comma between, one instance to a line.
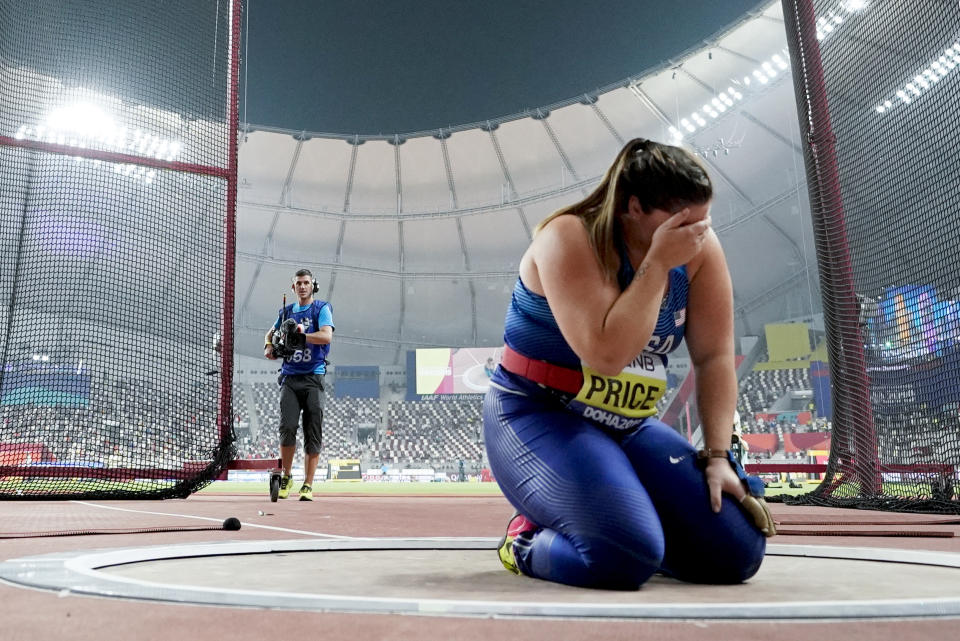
(45,386)
(449,370)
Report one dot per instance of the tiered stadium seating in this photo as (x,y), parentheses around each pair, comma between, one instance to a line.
(138,423)
(762,388)
(241,413)
(440,433)
(759,391)
(267,402)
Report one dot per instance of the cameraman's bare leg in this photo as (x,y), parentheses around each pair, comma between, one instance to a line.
(312,426)
(289,420)
(289,423)
(286,458)
(310,467)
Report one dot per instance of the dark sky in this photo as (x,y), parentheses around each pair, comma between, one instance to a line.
(398,66)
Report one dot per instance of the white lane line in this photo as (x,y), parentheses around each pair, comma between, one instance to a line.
(216,520)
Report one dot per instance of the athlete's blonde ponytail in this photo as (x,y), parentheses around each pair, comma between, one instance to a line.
(660,176)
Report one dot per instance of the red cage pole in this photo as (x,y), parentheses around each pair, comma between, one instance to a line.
(115,157)
(841,313)
(225,417)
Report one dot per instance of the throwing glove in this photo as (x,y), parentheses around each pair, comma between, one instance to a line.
(753,501)
(757,508)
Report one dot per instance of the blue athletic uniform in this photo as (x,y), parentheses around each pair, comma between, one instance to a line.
(617,494)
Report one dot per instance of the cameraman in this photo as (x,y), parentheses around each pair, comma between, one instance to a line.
(301,336)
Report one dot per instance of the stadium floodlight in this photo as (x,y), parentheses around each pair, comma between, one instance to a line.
(824,28)
(83,119)
(174,150)
(925,79)
(87,125)
(771,67)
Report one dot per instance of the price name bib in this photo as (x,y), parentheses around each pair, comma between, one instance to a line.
(624,400)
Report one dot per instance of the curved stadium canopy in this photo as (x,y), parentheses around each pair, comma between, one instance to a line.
(415,238)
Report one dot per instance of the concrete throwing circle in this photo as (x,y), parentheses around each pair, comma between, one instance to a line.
(462,577)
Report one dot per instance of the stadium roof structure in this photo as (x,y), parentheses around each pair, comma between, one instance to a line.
(415,238)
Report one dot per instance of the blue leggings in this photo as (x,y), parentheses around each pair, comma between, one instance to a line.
(613,508)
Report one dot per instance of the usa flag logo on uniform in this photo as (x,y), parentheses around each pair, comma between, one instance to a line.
(680,317)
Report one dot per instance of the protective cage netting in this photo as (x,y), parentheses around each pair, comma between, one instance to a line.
(878,89)
(117,189)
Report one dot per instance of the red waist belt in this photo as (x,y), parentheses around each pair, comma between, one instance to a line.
(555,376)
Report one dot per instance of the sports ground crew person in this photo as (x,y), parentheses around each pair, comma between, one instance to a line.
(303,332)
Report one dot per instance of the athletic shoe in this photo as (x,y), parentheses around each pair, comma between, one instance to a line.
(518,525)
(306,492)
(286,484)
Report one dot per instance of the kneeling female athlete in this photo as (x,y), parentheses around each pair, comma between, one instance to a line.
(606,494)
